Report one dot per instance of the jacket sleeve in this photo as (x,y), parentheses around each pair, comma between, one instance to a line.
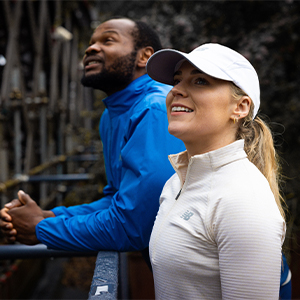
(126,224)
(83,209)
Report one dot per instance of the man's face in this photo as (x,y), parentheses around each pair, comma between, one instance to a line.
(110,59)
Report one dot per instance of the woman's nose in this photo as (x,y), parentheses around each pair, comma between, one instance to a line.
(178,90)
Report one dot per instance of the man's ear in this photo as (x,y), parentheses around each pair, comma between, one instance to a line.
(242,108)
(143,56)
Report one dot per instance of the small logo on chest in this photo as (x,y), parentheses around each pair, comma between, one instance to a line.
(187,215)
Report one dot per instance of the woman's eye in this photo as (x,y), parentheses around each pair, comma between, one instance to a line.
(175,81)
(201,81)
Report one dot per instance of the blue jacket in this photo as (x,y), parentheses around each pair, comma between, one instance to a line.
(285,292)
(136,145)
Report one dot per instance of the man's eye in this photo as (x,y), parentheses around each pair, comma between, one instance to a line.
(109,39)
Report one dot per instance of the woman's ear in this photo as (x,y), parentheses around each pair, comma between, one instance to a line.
(242,108)
(143,56)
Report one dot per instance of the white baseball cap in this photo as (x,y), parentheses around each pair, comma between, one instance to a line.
(213,59)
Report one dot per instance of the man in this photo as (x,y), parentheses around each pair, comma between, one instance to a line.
(136,143)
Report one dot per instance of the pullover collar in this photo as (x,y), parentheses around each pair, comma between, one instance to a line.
(121,101)
(206,162)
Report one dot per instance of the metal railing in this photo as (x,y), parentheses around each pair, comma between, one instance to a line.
(105,281)
(20,251)
(109,266)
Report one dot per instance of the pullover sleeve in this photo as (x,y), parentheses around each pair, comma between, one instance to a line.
(249,232)
(124,220)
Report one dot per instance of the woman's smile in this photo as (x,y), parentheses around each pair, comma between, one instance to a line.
(200,106)
(180,108)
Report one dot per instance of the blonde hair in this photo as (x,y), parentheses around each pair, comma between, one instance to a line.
(259,146)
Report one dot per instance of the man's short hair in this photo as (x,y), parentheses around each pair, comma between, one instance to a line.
(144,35)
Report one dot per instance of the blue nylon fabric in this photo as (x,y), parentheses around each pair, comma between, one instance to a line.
(285,292)
(136,145)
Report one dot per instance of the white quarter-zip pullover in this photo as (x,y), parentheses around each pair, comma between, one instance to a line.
(222,237)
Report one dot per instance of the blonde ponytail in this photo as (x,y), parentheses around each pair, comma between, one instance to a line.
(259,146)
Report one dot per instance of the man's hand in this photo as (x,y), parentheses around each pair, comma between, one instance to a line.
(5,220)
(24,218)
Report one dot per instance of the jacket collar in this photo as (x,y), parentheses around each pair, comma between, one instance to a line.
(121,101)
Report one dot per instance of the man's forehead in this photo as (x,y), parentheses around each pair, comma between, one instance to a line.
(119,26)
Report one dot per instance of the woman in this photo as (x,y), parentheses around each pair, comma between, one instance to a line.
(220,227)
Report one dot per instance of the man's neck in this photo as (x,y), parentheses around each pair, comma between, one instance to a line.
(112,91)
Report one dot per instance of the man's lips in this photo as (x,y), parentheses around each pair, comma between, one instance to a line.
(92,61)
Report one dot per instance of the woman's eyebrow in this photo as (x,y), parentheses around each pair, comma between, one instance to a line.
(177,73)
(193,72)
(196,71)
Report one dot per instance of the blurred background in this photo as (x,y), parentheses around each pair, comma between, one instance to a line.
(49,122)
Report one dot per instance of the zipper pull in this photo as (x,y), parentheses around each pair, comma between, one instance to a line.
(178,195)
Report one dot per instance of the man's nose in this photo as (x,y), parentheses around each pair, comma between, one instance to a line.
(93,48)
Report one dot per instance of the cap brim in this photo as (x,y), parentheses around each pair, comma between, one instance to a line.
(161,65)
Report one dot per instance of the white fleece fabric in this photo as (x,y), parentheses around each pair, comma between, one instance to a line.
(222,237)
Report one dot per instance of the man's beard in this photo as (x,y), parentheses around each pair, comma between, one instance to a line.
(116,78)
